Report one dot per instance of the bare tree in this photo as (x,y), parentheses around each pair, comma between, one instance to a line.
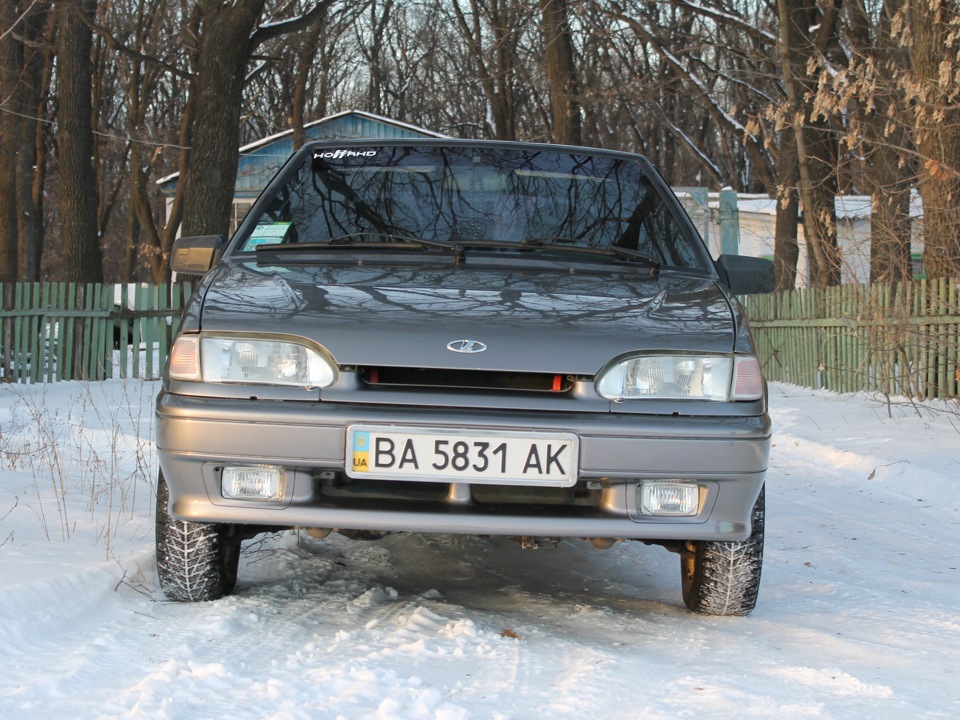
(801,50)
(877,133)
(492,32)
(82,257)
(694,79)
(296,77)
(561,72)
(786,248)
(10,60)
(930,30)
(158,114)
(372,42)
(25,59)
(223,49)
(229,33)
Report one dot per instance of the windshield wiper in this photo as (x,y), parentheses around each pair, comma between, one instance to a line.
(355,241)
(632,256)
(392,238)
(566,245)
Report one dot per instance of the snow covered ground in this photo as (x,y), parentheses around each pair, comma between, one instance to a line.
(859,611)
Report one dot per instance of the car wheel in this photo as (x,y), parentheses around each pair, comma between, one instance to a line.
(723,578)
(195,561)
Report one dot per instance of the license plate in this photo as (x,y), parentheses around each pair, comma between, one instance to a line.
(501,458)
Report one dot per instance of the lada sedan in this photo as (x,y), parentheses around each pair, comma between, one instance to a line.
(486,338)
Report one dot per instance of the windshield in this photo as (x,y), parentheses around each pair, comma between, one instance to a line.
(482,195)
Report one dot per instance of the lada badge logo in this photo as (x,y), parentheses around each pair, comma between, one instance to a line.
(466,346)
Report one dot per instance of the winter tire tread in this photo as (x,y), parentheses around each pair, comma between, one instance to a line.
(723,578)
(195,561)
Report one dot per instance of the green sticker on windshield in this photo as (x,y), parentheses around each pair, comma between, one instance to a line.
(267,234)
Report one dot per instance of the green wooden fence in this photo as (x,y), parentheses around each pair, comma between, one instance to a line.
(72,331)
(896,340)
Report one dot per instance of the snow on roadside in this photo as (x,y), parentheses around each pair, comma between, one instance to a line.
(858,614)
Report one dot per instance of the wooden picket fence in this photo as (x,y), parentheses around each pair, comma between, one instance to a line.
(891,339)
(72,331)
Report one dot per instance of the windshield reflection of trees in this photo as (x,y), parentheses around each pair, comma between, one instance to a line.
(463,194)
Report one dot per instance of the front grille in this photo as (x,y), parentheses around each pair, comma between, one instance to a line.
(464,379)
(346,492)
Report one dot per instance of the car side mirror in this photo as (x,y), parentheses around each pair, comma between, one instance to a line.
(195,255)
(747,275)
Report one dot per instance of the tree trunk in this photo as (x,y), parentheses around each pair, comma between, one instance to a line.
(305,57)
(936,107)
(786,250)
(814,140)
(224,48)
(506,36)
(11,59)
(158,241)
(878,64)
(379,19)
(82,258)
(32,239)
(31,158)
(561,72)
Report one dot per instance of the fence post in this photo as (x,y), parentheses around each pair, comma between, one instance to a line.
(729,223)
(6,333)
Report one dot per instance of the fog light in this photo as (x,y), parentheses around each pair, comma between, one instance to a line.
(669,498)
(252,483)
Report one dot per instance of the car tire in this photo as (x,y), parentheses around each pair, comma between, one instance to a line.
(195,561)
(723,578)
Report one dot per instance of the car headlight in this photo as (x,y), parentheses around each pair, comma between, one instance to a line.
(678,377)
(250,361)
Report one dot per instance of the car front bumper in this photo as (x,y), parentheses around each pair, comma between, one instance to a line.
(725,456)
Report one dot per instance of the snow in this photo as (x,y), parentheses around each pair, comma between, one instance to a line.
(858,612)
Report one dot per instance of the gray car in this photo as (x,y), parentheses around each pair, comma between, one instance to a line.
(484,338)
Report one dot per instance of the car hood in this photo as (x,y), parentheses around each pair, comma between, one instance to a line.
(530,320)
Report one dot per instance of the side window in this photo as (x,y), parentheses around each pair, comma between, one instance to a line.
(670,239)
(237,213)
(652,228)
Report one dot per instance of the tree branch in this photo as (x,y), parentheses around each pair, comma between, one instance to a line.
(122,49)
(272,30)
